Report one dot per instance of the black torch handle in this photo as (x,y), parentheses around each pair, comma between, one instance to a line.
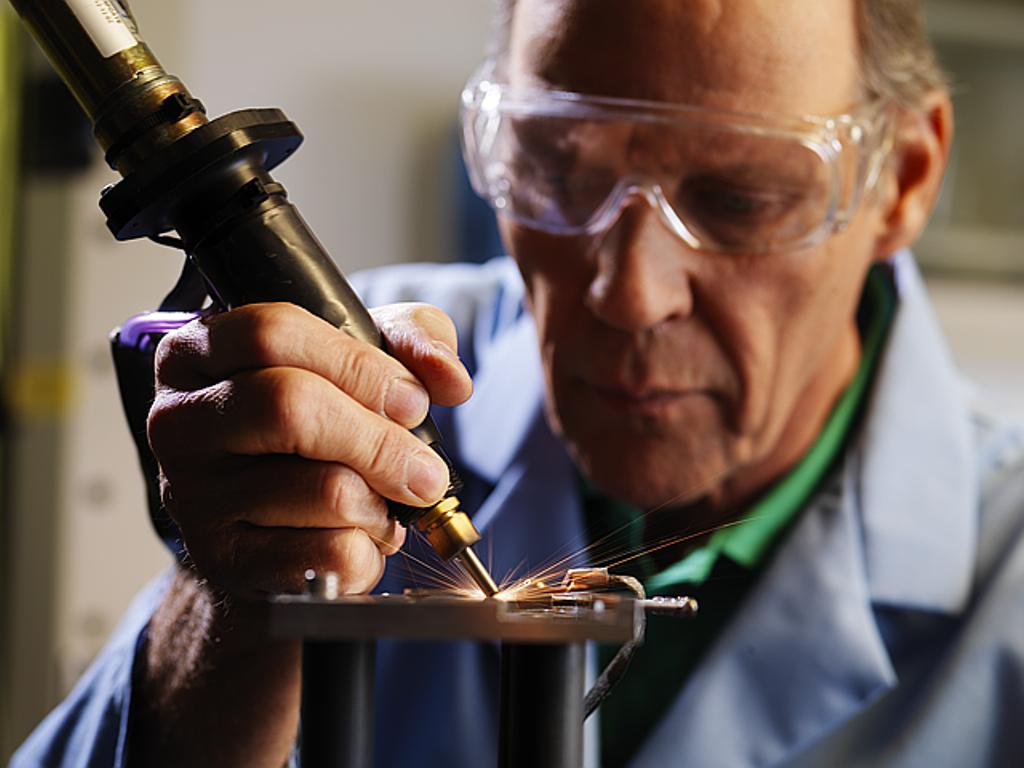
(261,250)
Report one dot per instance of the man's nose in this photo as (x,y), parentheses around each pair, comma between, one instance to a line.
(641,277)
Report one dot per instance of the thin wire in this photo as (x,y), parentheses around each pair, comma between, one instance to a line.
(616,668)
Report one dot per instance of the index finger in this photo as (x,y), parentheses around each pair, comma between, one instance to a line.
(215,348)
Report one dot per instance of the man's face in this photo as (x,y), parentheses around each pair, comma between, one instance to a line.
(674,374)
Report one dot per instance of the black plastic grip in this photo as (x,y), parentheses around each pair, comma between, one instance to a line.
(269,253)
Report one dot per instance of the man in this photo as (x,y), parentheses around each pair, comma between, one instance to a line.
(707,205)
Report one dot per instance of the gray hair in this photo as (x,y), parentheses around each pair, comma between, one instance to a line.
(898,60)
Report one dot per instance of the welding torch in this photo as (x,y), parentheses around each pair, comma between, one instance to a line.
(209,181)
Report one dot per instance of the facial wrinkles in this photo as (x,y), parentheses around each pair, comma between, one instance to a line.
(739,337)
(743,56)
(760,334)
(674,349)
(807,311)
(711,348)
(667,358)
(729,355)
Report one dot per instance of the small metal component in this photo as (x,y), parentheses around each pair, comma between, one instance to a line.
(576,579)
(680,607)
(577,600)
(325,585)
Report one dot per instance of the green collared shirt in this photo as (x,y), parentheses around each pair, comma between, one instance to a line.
(720,572)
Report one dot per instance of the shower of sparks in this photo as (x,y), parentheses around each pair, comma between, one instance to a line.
(427,572)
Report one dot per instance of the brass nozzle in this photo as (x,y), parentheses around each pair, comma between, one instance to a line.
(448,529)
(452,534)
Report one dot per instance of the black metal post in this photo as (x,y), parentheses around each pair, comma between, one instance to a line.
(541,706)
(337,704)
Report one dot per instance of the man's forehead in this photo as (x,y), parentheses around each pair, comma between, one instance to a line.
(778,56)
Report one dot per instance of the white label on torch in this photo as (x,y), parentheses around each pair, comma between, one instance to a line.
(106,25)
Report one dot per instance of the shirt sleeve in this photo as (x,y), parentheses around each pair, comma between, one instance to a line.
(89,729)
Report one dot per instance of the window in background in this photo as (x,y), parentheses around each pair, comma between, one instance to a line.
(978,227)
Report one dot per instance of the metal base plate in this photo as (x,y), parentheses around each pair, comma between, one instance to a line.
(441,616)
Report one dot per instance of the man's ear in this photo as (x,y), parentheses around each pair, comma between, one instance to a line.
(913,173)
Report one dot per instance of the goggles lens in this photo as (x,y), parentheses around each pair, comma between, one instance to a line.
(567,164)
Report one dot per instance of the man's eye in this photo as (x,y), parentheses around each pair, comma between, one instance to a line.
(579,186)
(740,202)
(734,203)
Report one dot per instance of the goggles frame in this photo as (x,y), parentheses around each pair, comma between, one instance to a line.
(866,129)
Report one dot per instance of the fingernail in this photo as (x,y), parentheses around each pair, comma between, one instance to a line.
(427,476)
(406,402)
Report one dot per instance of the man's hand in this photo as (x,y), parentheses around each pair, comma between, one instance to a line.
(279,436)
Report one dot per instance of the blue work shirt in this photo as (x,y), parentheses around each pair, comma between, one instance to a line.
(887,630)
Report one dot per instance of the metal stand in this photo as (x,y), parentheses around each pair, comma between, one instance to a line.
(542,674)
(541,706)
(337,704)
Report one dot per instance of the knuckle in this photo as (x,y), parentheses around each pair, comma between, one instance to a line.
(282,400)
(178,421)
(267,328)
(358,561)
(386,453)
(161,424)
(360,366)
(175,349)
(394,540)
(337,490)
(165,350)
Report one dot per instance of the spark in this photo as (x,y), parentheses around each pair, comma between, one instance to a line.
(519,583)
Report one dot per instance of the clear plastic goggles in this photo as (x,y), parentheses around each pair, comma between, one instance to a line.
(567,163)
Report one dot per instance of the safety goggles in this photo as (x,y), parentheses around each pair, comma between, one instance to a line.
(567,163)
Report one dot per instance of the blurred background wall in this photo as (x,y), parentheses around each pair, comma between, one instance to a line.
(973,250)
(374,86)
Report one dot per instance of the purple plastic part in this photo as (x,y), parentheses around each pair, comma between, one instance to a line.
(136,330)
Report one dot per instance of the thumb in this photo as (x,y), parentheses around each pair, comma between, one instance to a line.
(423,339)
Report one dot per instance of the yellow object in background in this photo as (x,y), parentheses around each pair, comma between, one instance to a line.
(39,391)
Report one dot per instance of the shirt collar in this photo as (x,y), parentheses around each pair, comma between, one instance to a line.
(917,486)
